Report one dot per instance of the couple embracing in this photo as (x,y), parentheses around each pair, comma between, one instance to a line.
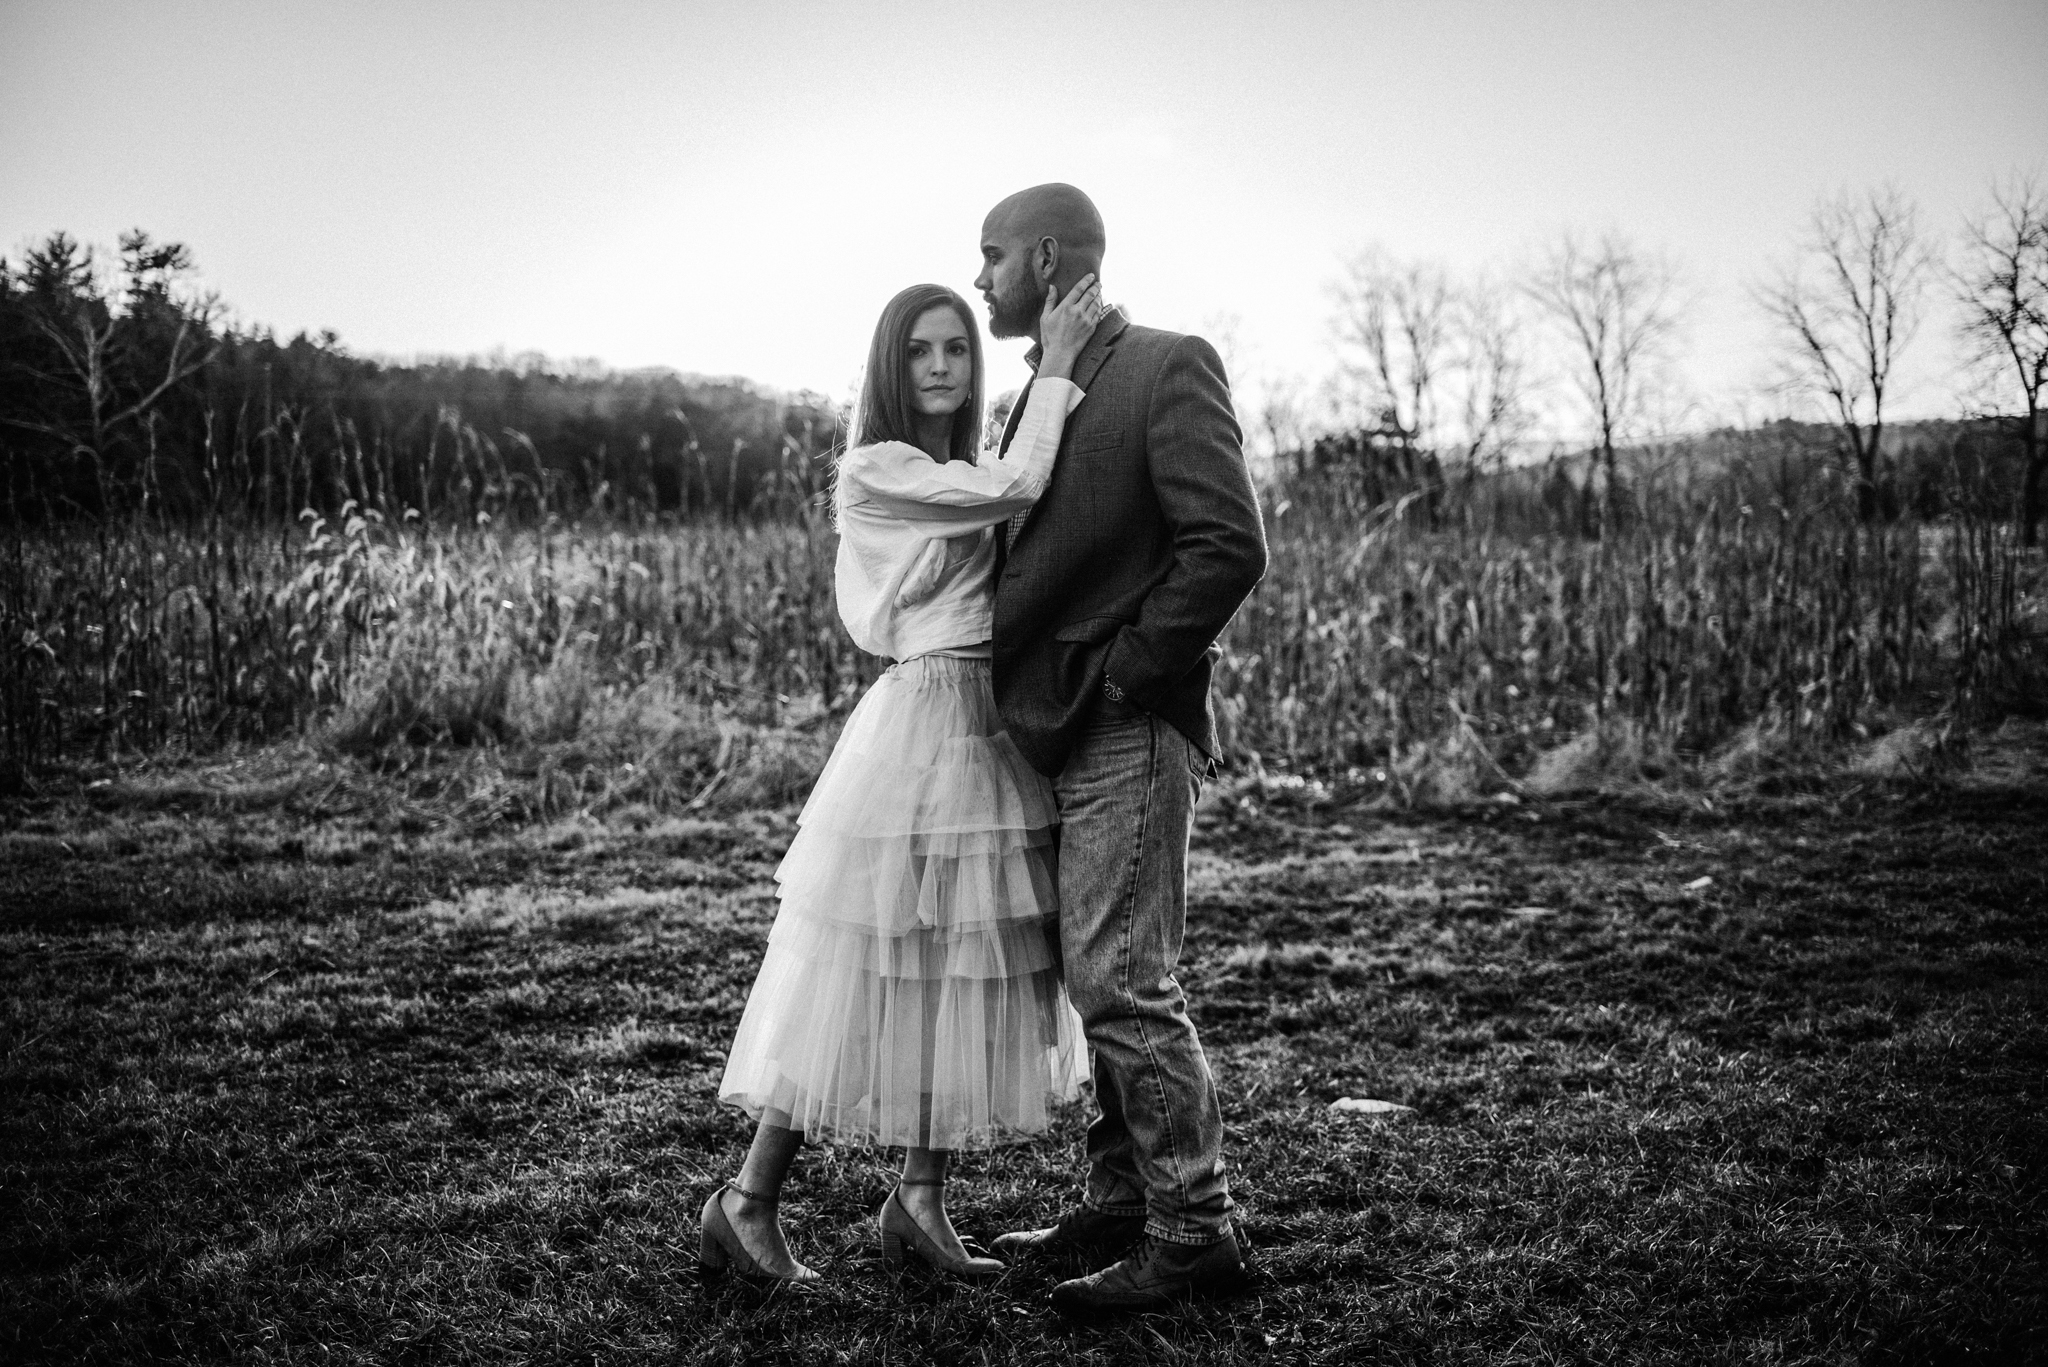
(988,883)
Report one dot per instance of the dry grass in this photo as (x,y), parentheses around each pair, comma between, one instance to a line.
(295,1069)
(585,666)
(1444,664)
(603,663)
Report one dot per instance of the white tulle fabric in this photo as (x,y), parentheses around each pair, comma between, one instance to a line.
(909,994)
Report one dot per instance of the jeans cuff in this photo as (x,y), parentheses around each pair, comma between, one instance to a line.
(1122,1210)
(1194,1237)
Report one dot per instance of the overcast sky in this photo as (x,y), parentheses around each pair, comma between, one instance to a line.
(738,188)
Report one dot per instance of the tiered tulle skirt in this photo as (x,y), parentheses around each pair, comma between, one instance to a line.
(909,994)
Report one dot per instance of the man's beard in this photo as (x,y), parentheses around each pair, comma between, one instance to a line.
(1013,314)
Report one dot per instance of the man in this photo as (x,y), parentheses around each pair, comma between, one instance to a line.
(1109,597)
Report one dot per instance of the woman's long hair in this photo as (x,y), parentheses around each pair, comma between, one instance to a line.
(887,410)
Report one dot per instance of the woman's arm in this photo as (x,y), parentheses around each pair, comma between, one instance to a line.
(952,498)
(948,499)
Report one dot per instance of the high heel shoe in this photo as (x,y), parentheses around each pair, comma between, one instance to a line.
(719,1246)
(901,1233)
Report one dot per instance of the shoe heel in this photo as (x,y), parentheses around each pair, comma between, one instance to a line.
(892,1249)
(712,1254)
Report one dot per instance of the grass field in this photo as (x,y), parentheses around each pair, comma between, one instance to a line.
(297,1071)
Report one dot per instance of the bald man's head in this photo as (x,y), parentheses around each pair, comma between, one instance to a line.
(1048,235)
(1059,212)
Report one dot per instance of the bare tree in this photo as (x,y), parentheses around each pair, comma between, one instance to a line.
(1394,326)
(1436,360)
(1493,369)
(1614,303)
(2002,285)
(1845,308)
(1282,418)
(108,383)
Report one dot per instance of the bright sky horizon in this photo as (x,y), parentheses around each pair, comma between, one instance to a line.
(738,188)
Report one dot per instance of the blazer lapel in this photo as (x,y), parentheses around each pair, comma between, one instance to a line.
(1107,334)
(1087,366)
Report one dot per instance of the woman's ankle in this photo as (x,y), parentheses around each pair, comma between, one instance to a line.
(924,1168)
(925,1204)
(738,1202)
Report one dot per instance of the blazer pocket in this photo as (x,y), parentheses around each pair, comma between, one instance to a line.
(1099,441)
(1091,630)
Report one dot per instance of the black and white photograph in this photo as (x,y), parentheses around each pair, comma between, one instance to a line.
(1066,684)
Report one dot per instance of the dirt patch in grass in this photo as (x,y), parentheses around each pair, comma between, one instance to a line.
(321,1077)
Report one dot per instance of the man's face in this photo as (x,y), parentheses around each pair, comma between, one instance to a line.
(1007,282)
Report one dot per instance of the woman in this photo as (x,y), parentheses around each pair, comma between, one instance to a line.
(910,994)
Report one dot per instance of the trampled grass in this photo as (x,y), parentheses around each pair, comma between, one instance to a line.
(295,1070)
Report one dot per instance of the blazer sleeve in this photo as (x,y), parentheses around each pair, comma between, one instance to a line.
(952,498)
(1205,494)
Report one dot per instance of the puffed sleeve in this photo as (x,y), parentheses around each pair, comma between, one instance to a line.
(953,498)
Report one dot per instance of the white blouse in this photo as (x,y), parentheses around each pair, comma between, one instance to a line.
(917,536)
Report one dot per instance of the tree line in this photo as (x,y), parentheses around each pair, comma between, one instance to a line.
(122,388)
(1440,373)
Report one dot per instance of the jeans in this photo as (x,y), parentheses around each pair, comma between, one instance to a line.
(1126,803)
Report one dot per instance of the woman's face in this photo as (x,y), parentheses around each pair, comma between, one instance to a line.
(941,362)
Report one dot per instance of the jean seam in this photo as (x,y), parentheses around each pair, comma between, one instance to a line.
(1124,954)
(1128,898)
(1130,995)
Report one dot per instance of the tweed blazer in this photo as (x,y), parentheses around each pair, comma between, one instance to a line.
(1146,540)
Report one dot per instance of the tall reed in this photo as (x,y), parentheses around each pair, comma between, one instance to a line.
(1373,638)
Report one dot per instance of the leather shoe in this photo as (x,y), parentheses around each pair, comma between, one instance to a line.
(1157,1275)
(1081,1233)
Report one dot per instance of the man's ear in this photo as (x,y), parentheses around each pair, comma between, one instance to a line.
(1047,259)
